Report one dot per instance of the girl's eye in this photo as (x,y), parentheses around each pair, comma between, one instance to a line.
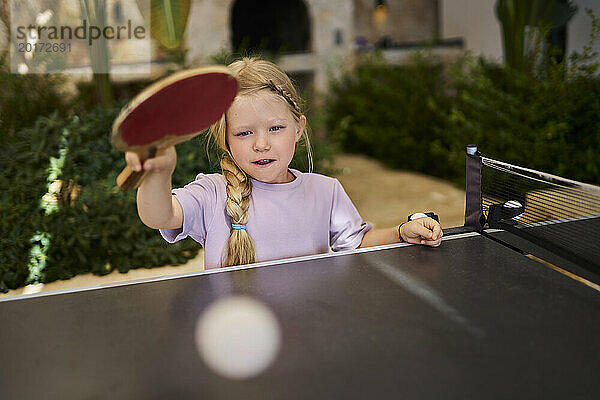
(276,128)
(245,133)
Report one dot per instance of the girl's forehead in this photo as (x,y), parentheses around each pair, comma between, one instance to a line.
(263,102)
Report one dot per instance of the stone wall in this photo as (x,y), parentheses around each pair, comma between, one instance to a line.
(332,35)
(407,20)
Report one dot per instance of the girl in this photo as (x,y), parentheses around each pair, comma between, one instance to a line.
(259,209)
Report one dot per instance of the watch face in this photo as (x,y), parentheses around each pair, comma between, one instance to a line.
(423,215)
(416,215)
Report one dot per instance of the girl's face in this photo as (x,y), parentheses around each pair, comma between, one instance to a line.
(262,135)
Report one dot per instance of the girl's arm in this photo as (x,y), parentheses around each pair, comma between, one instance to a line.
(419,231)
(378,237)
(157,207)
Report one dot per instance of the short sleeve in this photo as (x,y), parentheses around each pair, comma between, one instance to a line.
(347,228)
(198,201)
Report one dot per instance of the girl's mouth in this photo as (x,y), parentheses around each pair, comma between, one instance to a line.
(264,161)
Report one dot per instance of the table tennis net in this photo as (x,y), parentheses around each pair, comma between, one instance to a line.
(558,214)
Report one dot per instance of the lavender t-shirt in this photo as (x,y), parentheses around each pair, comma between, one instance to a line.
(306,216)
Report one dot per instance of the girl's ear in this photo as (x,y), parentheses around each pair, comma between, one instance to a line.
(301,127)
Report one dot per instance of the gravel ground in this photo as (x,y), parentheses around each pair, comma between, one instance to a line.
(385,197)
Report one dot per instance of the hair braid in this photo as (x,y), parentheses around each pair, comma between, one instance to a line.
(254,75)
(283,93)
(240,246)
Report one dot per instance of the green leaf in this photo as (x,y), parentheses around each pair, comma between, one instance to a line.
(168,20)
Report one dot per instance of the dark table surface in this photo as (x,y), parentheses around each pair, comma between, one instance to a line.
(469,319)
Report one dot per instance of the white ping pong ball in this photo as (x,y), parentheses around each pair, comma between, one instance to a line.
(238,337)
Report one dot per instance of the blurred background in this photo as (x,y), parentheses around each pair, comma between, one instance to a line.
(394,91)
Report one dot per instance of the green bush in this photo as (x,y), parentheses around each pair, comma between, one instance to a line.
(23,98)
(100,229)
(550,123)
(24,157)
(24,162)
(420,116)
(95,227)
(391,113)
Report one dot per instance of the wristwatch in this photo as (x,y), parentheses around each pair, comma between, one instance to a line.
(423,215)
(415,216)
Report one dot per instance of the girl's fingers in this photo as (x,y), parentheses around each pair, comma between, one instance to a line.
(437,231)
(428,231)
(165,160)
(133,160)
(419,229)
(432,243)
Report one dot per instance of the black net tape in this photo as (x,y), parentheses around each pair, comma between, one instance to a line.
(558,214)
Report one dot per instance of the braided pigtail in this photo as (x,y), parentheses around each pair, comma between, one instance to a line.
(253,76)
(240,248)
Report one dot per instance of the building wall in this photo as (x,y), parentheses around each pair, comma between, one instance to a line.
(209,32)
(209,26)
(476,22)
(208,29)
(407,21)
(579,28)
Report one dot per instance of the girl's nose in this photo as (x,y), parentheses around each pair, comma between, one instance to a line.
(262,143)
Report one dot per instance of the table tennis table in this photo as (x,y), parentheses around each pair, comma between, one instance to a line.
(472,318)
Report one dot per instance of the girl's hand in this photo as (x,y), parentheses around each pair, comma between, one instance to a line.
(164,162)
(425,231)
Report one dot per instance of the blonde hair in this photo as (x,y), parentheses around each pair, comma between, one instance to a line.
(254,75)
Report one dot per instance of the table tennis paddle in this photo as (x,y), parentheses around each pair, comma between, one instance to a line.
(170,111)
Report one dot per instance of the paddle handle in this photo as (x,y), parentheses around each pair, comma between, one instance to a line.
(129,179)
